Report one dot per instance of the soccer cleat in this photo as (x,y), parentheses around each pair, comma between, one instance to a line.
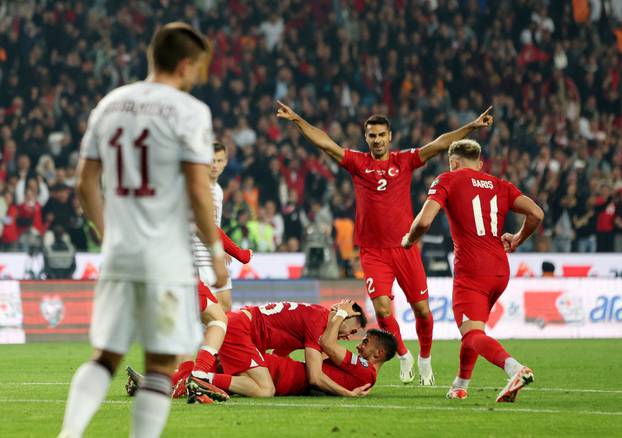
(180,390)
(407,372)
(199,398)
(199,386)
(133,381)
(426,376)
(457,393)
(521,379)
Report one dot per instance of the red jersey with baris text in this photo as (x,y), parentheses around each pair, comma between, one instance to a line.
(382,190)
(476,204)
(288,326)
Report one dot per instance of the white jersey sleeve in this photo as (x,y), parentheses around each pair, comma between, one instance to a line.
(196,136)
(202,256)
(89,146)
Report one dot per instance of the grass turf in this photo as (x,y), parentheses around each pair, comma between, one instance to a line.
(577,392)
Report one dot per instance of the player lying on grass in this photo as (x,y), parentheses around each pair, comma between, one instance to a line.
(476,204)
(284,327)
(382,180)
(356,373)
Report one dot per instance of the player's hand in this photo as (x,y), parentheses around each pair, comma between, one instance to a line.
(347,306)
(406,243)
(510,242)
(285,112)
(484,120)
(228,259)
(220,270)
(361,391)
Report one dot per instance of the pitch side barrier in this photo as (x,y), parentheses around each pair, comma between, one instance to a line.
(289,266)
(536,308)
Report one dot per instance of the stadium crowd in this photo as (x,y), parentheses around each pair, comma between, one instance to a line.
(551,69)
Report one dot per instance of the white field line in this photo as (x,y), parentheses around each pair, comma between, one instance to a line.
(495,388)
(498,388)
(306,405)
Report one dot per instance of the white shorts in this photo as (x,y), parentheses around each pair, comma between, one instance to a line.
(208,277)
(164,319)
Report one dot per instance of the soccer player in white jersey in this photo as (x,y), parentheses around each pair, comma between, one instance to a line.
(150,143)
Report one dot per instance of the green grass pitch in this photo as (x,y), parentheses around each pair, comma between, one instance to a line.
(577,392)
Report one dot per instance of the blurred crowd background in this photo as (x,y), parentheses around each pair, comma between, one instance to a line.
(551,69)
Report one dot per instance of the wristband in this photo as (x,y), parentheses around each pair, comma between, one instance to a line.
(217,250)
(341,313)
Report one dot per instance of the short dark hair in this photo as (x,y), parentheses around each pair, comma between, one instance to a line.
(387,342)
(172,43)
(218,146)
(362,318)
(377,119)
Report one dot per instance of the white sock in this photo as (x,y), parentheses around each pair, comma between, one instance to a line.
(203,375)
(461,383)
(88,390)
(407,356)
(511,366)
(424,360)
(151,406)
(209,349)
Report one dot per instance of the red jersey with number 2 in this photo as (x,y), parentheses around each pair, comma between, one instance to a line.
(382,191)
(288,326)
(476,204)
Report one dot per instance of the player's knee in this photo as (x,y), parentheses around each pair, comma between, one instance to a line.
(383,311)
(422,313)
(267,391)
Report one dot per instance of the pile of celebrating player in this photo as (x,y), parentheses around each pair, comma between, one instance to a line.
(149,157)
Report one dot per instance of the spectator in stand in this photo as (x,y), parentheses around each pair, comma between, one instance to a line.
(584,223)
(261,233)
(294,218)
(605,214)
(250,194)
(276,220)
(553,69)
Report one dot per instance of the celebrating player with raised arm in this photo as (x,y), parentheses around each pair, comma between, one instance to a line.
(150,143)
(382,181)
(476,204)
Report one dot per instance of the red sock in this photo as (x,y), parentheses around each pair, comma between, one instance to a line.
(425,327)
(468,357)
(204,361)
(486,346)
(223,381)
(390,324)
(183,371)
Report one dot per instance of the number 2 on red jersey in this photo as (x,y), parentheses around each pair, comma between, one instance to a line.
(139,142)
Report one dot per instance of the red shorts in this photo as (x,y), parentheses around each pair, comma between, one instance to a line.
(474,297)
(238,352)
(289,375)
(383,265)
(206,297)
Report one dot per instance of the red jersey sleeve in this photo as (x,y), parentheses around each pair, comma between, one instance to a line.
(358,367)
(316,324)
(439,189)
(351,160)
(513,192)
(412,158)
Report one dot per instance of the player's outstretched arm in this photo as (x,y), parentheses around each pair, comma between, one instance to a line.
(328,341)
(442,143)
(317,378)
(315,135)
(89,192)
(197,184)
(533,217)
(422,223)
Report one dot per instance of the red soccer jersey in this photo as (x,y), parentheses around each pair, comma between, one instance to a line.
(382,191)
(476,204)
(353,372)
(288,326)
(290,376)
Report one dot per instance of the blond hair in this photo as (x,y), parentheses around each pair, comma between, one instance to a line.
(466,148)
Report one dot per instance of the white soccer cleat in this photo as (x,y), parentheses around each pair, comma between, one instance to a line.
(407,368)
(457,393)
(426,376)
(521,379)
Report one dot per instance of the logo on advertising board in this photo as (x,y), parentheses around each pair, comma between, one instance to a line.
(552,307)
(52,309)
